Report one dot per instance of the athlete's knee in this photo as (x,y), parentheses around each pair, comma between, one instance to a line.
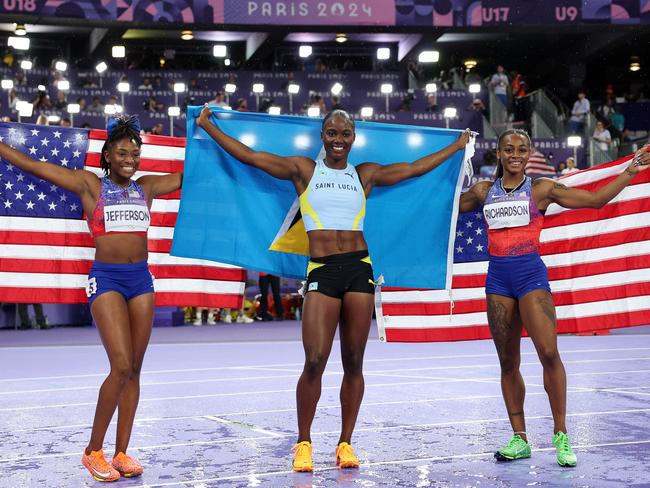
(121,370)
(509,363)
(549,357)
(352,362)
(315,363)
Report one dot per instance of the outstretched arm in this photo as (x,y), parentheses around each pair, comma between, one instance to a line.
(378,175)
(576,198)
(161,185)
(277,166)
(77,181)
(474,197)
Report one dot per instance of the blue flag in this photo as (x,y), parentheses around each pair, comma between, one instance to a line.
(237,214)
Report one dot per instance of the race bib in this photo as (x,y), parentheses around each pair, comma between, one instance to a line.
(126,218)
(514,212)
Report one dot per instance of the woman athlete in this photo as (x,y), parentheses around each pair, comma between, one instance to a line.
(340,284)
(517,288)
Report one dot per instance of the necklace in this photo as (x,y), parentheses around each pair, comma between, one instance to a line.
(508,192)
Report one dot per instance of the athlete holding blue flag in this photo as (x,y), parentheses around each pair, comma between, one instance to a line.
(340,283)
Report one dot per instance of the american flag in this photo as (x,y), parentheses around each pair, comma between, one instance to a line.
(598,262)
(45,248)
(537,165)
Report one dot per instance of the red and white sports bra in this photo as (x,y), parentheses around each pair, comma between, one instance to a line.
(120,210)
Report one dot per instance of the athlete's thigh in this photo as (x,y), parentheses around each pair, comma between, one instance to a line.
(319,320)
(538,313)
(356,317)
(111,316)
(141,310)
(505,324)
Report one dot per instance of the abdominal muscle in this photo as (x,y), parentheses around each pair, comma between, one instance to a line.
(328,242)
(120,248)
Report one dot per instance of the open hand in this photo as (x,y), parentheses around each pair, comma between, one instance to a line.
(641,160)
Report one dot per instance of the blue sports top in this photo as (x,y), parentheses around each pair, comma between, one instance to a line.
(333,200)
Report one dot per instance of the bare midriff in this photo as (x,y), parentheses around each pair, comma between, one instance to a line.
(121,248)
(329,242)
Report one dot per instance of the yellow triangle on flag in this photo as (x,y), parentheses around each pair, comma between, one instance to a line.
(292,237)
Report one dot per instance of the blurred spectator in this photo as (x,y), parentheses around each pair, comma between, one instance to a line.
(265,104)
(42,101)
(157,83)
(336,103)
(414,74)
(194,85)
(42,120)
(61,101)
(405,103)
(581,108)
(320,66)
(570,166)
(13,98)
(198,321)
(150,104)
(219,100)
(66,122)
(19,79)
(432,102)
(242,105)
(602,136)
(96,105)
(561,168)
(157,130)
(318,101)
(477,105)
(264,281)
(82,104)
(86,125)
(146,84)
(87,83)
(40,321)
(499,84)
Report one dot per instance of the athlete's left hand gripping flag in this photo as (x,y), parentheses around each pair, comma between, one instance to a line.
(237,214)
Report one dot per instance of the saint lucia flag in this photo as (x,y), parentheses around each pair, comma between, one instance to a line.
(236,214)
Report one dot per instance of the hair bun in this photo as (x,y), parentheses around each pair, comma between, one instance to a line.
(121,121)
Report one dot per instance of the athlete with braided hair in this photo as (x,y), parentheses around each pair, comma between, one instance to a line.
(517,287)
(120,287)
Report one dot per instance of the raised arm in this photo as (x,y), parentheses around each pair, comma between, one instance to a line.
(384,175)
(556,192)
(277,166)
(474,197)
(155,186)
(77,181)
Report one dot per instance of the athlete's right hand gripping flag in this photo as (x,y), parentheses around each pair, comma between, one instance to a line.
(237,214)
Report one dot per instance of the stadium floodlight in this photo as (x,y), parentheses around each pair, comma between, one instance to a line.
(313,112)
(110,109)
(475,88)
(230,88)
(25,109)
(123,87)
(574,142)
(54,118)
(383,53)
(226,62)
(18,43)
(367,112)
(41,88)
(227,107)
(118,51)
(258,87)
(60,65)
(449,113)
(74,108)
(429,57)
(275,110)
(305,51)
(26,64)
(63,85)
(293,88)
(431,88)
(336,89)
(386,88)
(173,111)
(7,84)
(20,30)
(179,87)
(219,51)
(101,67)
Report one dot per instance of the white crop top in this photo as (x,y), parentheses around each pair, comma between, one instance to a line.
(333,200)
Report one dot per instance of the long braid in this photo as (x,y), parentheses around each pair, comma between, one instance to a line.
(120,128)
(509,132)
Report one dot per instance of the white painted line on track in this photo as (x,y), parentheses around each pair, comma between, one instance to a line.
(331,362)
(242,424)
(203,481)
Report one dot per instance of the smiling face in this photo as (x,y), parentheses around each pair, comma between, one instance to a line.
(123,157)
(513,152)
(338,136)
